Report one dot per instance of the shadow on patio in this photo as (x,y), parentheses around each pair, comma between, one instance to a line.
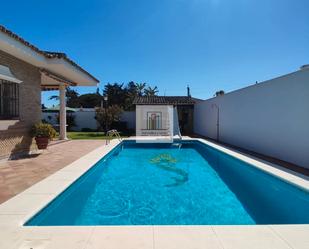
(18,175)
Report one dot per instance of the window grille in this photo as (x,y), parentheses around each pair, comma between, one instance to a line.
(9,100)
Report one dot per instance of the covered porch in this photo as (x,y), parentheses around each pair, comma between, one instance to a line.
(52,82)
(36,70)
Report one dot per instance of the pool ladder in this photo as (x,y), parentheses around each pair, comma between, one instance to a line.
(112,133)
(178,145)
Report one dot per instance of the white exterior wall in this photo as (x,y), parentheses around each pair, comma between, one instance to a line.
(271,118)
(84,118)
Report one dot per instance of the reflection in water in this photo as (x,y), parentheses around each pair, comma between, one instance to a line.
(166,162)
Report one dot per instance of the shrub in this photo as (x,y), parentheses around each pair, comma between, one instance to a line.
(119,126)
(106,116)
(70,120)
(88,130)
(43,130)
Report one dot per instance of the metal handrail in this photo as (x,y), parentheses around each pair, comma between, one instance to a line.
(112,133)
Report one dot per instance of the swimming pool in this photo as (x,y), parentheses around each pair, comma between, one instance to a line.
(185,183)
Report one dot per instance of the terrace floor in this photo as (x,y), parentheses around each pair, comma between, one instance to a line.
(18,175)
(17,210)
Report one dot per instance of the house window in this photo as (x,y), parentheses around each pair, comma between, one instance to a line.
(9,100)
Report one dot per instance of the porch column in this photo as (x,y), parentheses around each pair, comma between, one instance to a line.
(63,114)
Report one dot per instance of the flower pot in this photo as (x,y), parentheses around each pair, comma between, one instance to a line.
(42,142)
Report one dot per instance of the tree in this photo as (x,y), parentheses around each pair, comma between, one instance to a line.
(89,100)
(70,120)
(116,94)
(71,96)
(219,93)
(131,93)
(149,91)
(106,116)
(54,97)
(140,88)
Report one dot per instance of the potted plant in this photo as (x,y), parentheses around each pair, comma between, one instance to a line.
(43,133)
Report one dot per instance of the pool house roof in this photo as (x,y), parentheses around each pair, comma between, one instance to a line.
(164,100)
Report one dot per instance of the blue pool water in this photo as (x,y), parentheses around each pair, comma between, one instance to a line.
(165,184)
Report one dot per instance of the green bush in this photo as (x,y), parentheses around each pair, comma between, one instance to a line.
(43,130)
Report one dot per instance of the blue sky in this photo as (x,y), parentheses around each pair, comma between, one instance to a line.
(208,44)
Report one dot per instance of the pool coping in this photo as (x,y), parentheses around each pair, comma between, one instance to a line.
(292,177)
(17,210)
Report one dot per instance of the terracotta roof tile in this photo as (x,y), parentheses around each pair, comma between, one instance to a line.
(164,100)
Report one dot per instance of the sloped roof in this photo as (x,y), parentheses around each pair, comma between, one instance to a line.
(47,54)
(164,100)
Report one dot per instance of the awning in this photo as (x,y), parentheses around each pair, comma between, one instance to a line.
(6,74)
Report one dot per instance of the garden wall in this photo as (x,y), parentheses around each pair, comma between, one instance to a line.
(84,118)
(271,118)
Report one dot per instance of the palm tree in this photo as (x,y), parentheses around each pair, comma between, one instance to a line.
(54,97)
(140,88)
(72,98)
(149,91)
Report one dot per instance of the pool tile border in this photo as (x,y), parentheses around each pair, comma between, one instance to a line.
(287,175)
(16,211)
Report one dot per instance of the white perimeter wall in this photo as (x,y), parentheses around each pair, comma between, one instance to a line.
(129,117)
(85,119)
(271,118)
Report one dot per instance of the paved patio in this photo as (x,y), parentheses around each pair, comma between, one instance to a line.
(18,175)
(19,209)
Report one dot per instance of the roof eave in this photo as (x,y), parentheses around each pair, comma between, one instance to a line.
(59,64)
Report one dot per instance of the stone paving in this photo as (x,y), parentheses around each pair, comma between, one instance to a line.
(18,175)
(17,210)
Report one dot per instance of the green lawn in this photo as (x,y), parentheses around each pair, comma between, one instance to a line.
(87,135)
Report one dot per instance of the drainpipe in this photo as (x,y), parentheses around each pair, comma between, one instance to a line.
(63,114)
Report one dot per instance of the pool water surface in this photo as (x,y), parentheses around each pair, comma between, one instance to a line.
(185,183)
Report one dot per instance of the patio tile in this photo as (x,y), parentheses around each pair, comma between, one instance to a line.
(185,237)
(10,238)
(253,237)
(296,236)
(48,187)
(119,237)
(10,220)
(56,237)
(81,166)
(64,175)
(18,175)
(25,203)
(33,244)
(70,238)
